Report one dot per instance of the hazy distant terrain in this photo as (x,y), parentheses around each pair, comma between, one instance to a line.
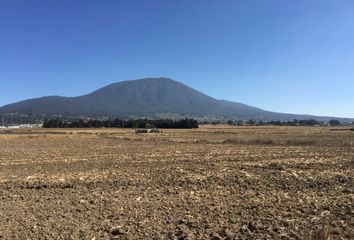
(149,97)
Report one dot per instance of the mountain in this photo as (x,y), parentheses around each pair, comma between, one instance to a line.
(148,97)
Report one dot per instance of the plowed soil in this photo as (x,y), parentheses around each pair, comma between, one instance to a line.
(215,182)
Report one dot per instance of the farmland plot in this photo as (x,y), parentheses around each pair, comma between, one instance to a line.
(215,182)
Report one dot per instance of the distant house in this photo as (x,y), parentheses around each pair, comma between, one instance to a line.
(31,125)
(148,130)
(25,126)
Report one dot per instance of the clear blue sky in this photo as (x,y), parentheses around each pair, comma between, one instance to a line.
(280,55)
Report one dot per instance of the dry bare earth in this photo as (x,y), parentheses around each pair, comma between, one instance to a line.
(208,183)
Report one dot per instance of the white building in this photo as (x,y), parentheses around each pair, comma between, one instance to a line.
(31,125)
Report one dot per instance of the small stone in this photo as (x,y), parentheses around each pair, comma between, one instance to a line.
(252,226)
(233,220)
(190,235)
(117,231)
(228,233)
(216,237)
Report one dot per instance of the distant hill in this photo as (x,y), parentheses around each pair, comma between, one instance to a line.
(148,97)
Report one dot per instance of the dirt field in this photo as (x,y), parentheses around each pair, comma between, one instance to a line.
(207,183)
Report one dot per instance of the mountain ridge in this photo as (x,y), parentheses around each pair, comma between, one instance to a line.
(147,97)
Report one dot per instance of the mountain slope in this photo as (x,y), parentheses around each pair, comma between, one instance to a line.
(144,97)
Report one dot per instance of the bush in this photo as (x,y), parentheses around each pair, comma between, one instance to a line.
(334,122)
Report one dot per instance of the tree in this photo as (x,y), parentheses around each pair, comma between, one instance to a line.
(251,122)
(334,122)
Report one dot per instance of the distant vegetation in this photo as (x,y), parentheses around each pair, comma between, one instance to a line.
(309,122)
(295,122)
(119,123)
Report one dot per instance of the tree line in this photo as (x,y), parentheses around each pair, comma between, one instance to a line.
(295,122)
(121,123)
